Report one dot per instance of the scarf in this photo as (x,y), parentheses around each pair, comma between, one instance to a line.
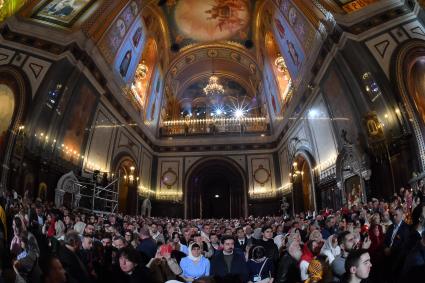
(315,271)
(51,231)
(191,256)
(307,254)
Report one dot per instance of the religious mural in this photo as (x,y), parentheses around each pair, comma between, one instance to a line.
(83,107)
(129,53)
(194,21)
(272,91)
(300,27)
(126,22)
(62,12)
(289,45)
(153,96)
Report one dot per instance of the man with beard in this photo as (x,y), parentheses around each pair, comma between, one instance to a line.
(229,263)
(287,269)
(346,243)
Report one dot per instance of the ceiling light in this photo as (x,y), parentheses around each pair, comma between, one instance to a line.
(213,87)
(216,196)
(239,113)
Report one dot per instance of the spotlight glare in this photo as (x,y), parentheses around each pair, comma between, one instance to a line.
(239,113)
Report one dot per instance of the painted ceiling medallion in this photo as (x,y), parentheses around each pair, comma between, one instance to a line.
(209,20)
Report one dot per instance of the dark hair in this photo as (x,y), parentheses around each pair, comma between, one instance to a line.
(239,228)
(265,228)
(417,214)
(72,237)
(258,252)
(18,223)
(195,245)
(131,254)
(353,259)
(174,234)
(45,264)
(227,237)
(341,237)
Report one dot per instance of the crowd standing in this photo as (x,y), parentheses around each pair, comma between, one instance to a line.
(378,241)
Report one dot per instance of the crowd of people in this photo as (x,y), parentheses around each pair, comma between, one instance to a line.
(378,241)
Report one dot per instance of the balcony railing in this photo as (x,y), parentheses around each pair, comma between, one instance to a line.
(214,126)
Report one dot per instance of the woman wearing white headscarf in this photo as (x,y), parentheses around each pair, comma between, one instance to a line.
(195,265)
(331,248)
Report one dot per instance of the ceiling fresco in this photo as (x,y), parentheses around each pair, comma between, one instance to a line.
(194,21)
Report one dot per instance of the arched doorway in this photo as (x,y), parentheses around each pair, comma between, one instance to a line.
(215,188)
(127,183)
(303,185)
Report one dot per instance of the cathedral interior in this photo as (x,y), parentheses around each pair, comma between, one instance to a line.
(212,108)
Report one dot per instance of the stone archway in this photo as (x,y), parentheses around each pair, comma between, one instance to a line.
(215,188)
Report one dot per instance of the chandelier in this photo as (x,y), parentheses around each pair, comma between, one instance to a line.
(280,64)
(141,71)
(213,87)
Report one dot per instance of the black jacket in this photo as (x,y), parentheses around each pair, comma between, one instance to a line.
(73,265)
(287,270)
(414,265)
(239,267)
(140,274)
(271,249)
(242,247)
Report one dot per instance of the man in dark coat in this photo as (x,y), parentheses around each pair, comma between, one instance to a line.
(147,246)
(242,241)
(414,266)
(229,262)
(395,242)
(287,269)
(68,256)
